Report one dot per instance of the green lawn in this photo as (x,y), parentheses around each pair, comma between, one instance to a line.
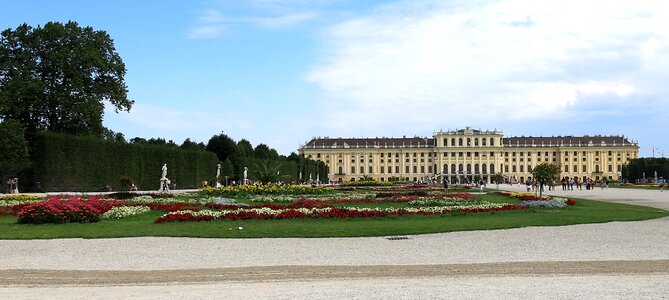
(585,211)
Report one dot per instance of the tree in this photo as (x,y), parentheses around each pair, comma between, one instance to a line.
(14,156)
(546,173)
(58,77)
(263,151)
(224,147)
(269,172)
(227,169)
(192,145)
(245,148)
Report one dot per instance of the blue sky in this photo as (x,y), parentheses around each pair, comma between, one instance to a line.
(280,72)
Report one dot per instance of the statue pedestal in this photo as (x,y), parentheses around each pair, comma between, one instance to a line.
(164,185)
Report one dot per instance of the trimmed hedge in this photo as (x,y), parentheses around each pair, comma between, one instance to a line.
(76,163)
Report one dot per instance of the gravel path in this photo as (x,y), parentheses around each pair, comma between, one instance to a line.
(611,260)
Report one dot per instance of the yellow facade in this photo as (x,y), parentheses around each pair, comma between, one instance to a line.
(467,154)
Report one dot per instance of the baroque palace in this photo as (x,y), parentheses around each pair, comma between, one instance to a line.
(468,154)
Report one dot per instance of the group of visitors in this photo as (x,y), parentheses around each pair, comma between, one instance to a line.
(568,184)
(12,186)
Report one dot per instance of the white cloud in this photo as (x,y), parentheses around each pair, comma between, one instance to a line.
(286,20)
(212,23)
(419,65)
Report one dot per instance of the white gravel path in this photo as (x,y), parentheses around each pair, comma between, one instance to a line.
(645,240)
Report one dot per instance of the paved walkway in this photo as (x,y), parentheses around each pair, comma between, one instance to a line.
(652,198)
(610,260)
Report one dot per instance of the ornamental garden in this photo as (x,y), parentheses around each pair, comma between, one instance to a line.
(297,211)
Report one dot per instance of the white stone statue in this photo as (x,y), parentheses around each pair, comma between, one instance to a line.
(164,171)
(164,182)
(218,174)
(246,173)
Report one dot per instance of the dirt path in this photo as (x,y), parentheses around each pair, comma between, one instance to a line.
(301,273)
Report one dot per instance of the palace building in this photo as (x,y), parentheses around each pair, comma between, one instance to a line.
(468,155)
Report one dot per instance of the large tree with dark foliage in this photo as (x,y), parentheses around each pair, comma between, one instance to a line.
(58,78)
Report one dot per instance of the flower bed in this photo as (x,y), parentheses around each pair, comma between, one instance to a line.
(59,211)
(119,212)
(545,201)
(264,189)
(326,212)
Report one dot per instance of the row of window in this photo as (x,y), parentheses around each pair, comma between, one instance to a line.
(476,154)
(468,142)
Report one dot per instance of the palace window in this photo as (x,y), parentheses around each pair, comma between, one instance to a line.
(476,142)
(483,141)
(352,170)
(585,169)
(566,168)
(382,169)
(362,170)
(575,168)
(406,169)
(460,142)
(422,169)
(521,169)
(453,142)
(371,169)
(397,169)
(469,142)
(445,142)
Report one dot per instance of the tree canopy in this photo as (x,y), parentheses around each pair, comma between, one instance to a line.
(58,78)
(545,173)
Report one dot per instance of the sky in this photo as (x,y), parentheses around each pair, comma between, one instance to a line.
(281,72)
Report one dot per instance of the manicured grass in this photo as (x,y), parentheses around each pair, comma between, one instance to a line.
(585,211)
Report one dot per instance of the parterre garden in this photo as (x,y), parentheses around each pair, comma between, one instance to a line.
(297,211)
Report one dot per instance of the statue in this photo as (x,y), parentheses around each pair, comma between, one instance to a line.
(164,171)
(246,173)
(218,174)
(164,182)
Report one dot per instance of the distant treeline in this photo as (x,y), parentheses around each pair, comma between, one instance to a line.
(61,162)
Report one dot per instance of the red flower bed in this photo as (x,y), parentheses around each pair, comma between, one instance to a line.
(505,194)
(334,212)
(59,211)
(529,198)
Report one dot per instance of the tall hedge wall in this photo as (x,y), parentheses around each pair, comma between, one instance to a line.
(74,163)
